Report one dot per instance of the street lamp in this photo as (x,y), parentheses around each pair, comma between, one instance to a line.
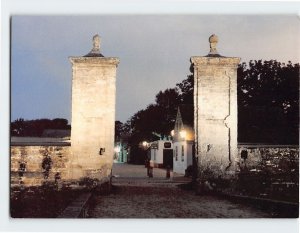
(145,144)
(182,134)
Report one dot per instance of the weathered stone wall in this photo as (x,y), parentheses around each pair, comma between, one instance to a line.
(29,164)
(215,116)
(276,159)
(269,172)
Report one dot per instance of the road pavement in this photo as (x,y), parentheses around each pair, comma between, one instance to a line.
(134,195)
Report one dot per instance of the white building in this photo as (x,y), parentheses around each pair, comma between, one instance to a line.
(183,139)
(161,153)
(120,153)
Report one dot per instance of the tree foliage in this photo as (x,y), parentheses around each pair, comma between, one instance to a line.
(268,102)
(35,128)
(118,130)
(158,119)
(160,116)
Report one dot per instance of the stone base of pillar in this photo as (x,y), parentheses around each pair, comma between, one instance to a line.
(76,172)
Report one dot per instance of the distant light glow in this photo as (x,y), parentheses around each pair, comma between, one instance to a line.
(145,143)
(117,149)
(182,134)
(172,133)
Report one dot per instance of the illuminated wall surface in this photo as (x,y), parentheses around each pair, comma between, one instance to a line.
(215,116)
(33,165)
(276,160)
(93,113)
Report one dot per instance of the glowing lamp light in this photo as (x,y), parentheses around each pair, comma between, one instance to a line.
(182,133)
(117,149)
(172,133)
(145,143)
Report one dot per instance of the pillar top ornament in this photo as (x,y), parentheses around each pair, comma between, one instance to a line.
(95,52)
(96,43)
(213,40)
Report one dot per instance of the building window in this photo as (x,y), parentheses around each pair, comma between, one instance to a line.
(154,154)
(176,153)
(182,153)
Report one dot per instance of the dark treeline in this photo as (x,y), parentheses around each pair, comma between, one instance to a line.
(35,128)
(268,102)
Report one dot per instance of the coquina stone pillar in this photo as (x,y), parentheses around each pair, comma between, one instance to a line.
(93,113)
(215,112)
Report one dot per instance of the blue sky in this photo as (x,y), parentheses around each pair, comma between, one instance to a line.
(154,53)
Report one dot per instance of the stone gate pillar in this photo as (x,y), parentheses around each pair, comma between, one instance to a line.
(93,113)
(215,112)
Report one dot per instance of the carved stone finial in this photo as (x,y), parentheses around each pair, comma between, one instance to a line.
(96,43)
(95,52)
(213,40)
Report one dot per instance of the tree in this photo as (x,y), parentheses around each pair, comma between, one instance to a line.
(118,130)
(35,128)
(59,123)
(268,104)
(186,90)
(157,118)
(17,127)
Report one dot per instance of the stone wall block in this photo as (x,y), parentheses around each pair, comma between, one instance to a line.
(33,156)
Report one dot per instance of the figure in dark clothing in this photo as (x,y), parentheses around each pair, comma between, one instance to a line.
(147,165)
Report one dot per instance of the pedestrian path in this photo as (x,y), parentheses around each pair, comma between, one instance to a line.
(166,201)
(131,170)
(128,174)
(134,195)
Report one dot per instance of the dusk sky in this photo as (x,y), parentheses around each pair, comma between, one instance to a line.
(154,54)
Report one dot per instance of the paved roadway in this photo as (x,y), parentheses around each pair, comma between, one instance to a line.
(134,195)
(137,171)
